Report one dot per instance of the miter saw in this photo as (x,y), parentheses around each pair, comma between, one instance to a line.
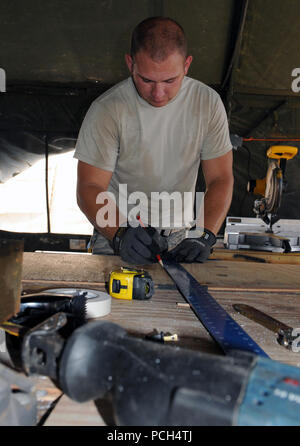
(266,232)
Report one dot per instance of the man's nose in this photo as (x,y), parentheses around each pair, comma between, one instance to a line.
(158,90)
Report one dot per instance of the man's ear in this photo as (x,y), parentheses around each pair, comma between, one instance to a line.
(129,62)
(187,64)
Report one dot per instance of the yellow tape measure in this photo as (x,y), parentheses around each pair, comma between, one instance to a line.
(129,284)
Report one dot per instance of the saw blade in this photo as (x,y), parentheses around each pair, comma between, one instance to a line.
(261,318)
(220,325)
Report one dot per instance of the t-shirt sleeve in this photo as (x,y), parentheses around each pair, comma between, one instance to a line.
(98,139)
(217,140)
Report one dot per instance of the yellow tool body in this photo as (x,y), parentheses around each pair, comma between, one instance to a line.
(273,185)
(279,152)
(261,186)
(129,284)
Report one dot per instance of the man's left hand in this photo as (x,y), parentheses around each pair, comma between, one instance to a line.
(193,249)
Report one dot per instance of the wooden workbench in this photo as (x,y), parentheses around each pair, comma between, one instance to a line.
(271,286)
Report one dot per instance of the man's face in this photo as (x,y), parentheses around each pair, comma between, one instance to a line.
(158,82)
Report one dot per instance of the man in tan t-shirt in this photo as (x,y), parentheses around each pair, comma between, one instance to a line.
(150,132)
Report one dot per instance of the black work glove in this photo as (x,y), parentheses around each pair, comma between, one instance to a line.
(193,249)
(139,245)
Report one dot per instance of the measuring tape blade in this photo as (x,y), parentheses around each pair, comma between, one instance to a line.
(220,325)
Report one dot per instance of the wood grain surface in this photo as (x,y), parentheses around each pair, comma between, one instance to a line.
(271,287)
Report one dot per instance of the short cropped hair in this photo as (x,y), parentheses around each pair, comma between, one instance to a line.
(159,37)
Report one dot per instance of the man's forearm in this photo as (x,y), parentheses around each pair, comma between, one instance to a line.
(87,202)
(217,201)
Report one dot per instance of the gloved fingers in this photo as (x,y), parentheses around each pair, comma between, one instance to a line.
(189,251)
(167,256)
(143,235)
(179,253)
(139,250)
(139,247)
(132,256)
(186,257)
(200,259)
(150,237)
(203,256)
(160,244)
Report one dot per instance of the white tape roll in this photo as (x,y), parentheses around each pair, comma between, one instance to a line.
(98,306)
(98,303)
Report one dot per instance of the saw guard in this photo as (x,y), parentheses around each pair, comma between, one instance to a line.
(274,184)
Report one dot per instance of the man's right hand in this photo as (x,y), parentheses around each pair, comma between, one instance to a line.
(140,245)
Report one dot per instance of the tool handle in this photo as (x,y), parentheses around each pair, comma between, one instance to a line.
(149,382)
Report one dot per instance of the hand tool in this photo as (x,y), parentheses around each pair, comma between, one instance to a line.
(220,325)
(129,283)
(284,333)
(153,384)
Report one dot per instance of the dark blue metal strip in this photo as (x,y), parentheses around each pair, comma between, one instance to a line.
(220,325)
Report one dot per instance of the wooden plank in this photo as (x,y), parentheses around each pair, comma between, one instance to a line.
(163,313)
(11,255)
(40,285)
(167,311)
(272,288)
(243,255)
(214,273)
(66,412)
(279,285)
(70,413)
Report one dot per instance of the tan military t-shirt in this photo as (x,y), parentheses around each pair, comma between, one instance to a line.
(151,149)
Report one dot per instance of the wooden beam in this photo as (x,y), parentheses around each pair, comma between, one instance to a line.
(92,270)
(292,258)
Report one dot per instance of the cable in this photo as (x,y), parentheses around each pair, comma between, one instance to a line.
(47,182)
(49,410)
(270,139)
